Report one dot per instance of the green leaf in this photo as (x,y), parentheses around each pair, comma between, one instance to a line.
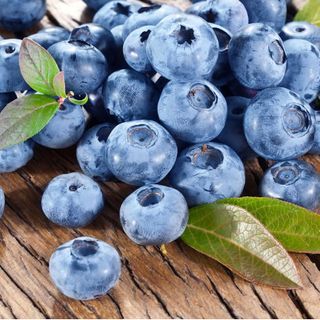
(25,117)
(80,102)
(310,12)
(59,85)
(232,236)
(296,228)
(37,66)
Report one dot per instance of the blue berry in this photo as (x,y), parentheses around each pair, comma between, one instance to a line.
(154,215)
(230,14)
(257,56)
(114,13)
(192,111)
(15,157)
(2,202)
(140,152)
(84,66)
(10,75)
(49,36)
(233,133)
(147,16)
(270,12)
(72,200)
(6,98)
(191,48)
(64,129)
(91,152)
(17,15)
(279,125)
(130,95)
(134,49)
(301,30)
(294,181)
(303,70)
(208,172)
(85,268)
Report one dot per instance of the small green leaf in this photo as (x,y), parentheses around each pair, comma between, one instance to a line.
(59,85)
(232,236)
(296,228)
(25,117)
(80,102)
(38,67)
(310,12)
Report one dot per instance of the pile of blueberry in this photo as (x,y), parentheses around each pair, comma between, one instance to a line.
(184,95)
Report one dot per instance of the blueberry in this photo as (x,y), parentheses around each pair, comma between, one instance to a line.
(2,202)
(279,125)
(102,39)
(49,36)
(10,75)
(64,129)
(154,215)
(91,152)
(96,4)
(72,200)
(257,56)
(85,268)
(84,66)
(114,13)
(222,73)
(207,172)
(183,47)
(134,49)
(130,95)
(230,14)
(15,157)
(303,69)
(140,152)
(270,12)
(233,133)
(294,181)
(147,16)
(6,98)
(17,15)
(301,30)
(192,111)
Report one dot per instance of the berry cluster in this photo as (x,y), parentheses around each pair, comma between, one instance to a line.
(184,95)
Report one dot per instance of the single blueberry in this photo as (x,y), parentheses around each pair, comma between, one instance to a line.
(85,268)
(154,215)
(279,125)
(208,172)
(10,75)
(85,67)
(229,14)
(49,36)
(129,95)
(303,69)
(147,16)
(270,12)
(64,129)
(294,181)
(140,152)
(233,133)
(91,152)
(192,111)
(134,49)
(17,15)
(6,98)
(257,56)
(15,157)
(114,13)
(72,200)
(191,48)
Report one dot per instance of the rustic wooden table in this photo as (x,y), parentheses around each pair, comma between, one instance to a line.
(183,284)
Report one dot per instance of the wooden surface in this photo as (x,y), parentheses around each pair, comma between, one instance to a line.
(182,284)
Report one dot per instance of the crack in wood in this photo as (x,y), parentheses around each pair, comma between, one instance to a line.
(118,307)
(299,304)
(264,305)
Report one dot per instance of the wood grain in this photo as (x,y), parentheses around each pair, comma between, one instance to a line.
(183,284)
